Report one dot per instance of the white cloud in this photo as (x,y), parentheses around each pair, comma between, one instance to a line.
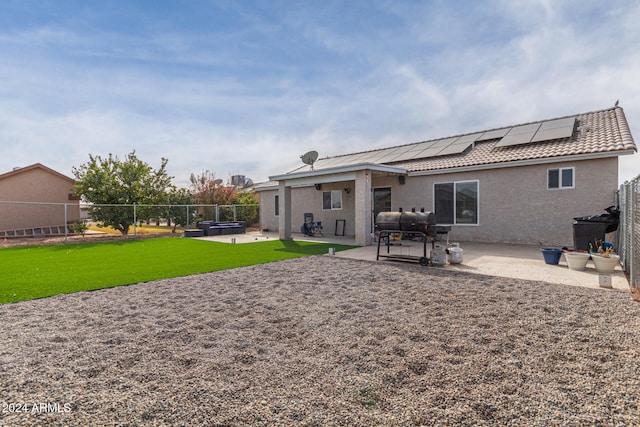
(251,93)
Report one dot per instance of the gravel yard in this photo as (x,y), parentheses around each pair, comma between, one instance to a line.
(320,341)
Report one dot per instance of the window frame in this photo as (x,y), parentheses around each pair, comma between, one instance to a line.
(455,201)
(277,205)
(561,179)
(335,198)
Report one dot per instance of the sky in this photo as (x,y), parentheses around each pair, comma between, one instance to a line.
(247,87)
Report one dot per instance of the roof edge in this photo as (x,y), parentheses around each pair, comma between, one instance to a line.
(528,162)
(340,169)
(625,131)
(32,167)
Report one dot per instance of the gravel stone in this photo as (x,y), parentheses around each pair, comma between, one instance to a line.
(321,341)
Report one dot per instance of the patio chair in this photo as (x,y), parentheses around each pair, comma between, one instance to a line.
(310,227)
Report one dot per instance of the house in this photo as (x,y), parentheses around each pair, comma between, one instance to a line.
(520,184)
(36,197)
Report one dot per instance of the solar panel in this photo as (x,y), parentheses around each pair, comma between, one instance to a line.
(422,145)
(455,148)
(336,161)
(493,134)
(555,129)
(379,156)
(445,146)
(399,153)
(392,153)
(326,163)
(332,162)
(534,132)
(384,155)
(473,137)
(549,134)
(444,142)
(358,157)
(429,152)
(519,135)
(413,151)
(558,123)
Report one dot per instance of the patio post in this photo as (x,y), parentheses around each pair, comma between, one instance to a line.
(284,219)
(363,208)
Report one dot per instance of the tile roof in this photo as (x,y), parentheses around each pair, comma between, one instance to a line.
(596,134)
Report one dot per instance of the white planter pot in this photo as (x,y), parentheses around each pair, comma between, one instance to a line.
(605,264)
(577,260)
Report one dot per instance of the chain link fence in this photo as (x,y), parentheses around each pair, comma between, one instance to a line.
(41,219)
(629,231)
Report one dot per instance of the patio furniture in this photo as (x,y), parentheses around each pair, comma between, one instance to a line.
(212,228)
(310,227)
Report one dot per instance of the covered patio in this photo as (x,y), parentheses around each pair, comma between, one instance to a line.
(359,176)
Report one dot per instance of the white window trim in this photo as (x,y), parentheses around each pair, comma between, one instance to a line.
(560,187)
(433,192)
(332,200)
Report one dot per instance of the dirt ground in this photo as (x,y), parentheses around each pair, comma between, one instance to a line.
(72,238)
(320,341)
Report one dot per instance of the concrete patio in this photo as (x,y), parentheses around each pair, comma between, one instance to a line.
(500,260)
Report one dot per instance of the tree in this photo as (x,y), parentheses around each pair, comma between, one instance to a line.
(248,213)
(180,215)
(79,227)
(207,190)
(110,181)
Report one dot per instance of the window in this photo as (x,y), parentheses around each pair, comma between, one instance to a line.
(443,203)
(277,204)
(560,178)
(332,200)
(456,202)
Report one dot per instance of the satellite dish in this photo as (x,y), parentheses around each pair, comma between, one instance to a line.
(309,158)
(218,181)
(248,182)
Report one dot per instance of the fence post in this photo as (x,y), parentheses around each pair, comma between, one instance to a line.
(621,236)
(65,223)
(217,213)
(633,266)
(135,220)
(234,212)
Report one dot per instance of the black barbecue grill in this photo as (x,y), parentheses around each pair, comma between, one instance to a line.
(409,225)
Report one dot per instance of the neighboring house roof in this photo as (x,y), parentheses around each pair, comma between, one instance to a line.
(596,134)
(17,171)
(267,185)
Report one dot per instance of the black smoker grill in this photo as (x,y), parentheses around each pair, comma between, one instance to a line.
(411,225)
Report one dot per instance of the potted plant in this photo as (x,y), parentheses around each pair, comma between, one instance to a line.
(605,260)
(576,260)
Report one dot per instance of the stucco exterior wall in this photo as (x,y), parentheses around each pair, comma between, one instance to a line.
(268,218)
(36,185)
(515,205)
(308,199)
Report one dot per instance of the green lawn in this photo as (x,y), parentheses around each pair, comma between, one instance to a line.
(42,271)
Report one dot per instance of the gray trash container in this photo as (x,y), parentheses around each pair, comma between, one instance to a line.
(591,229)
(586,232)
